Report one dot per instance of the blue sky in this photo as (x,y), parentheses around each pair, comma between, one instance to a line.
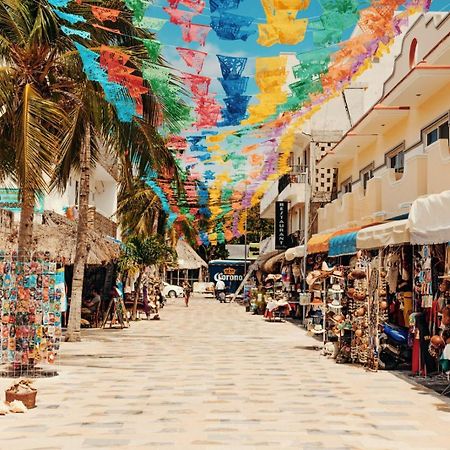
(170,36)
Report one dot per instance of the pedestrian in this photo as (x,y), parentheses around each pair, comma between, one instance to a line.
(220,288)
(187,291)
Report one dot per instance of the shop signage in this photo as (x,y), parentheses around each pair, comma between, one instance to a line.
(231,273)
(281,225)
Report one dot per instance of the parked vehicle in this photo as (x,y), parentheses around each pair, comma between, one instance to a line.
(171,290)
(395,352)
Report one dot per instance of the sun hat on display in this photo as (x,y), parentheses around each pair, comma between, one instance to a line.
(335,304)
(312,277)
(325,267)
(317,301)
(336,289)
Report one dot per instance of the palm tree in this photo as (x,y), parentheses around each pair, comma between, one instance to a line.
(50,113)
(137,144)
(139,254)
(32,98)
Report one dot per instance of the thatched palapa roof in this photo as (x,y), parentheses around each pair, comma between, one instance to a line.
(58,236)
(188,259)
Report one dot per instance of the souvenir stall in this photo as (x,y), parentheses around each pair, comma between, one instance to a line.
(429,224)
(387,304)
(30,302)
(342,307)
(293,278)
(276,298)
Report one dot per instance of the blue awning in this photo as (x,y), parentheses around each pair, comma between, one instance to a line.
(343,244)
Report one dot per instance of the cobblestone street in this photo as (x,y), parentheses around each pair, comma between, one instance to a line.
(212,376)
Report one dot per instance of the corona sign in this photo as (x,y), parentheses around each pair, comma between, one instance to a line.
(231,272)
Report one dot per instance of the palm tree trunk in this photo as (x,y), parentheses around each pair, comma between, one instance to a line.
(136,295)
(73,328)
(26,224)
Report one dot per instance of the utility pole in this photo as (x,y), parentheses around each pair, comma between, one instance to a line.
(306,222)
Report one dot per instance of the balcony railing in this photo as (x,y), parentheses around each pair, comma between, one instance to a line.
(291,178)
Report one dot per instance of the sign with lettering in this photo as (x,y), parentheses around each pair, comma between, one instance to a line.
(230,272)
(281,225)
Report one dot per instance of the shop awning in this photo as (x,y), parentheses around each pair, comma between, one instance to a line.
(429,219)
(379,236)
(296,252)
(319,243)
(344,244)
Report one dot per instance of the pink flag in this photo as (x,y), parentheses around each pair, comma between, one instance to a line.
(193,58)
(194,32)
(180,17)
(196,5)
(198,84)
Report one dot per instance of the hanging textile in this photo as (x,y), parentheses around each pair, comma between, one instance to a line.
(231,66)
(150,23)
(197,5)
(138,7)
(192,58)
(199,85)
(111,30)
(271,76)
(115,94)
(223,5)
(179,16)
(59,3)
(153,49)
(72,32)
(282,25)
(114,61)
(234,86)
(230,26)
(105,14)
(71,18)
(194,32)
(337,16)
(292,5)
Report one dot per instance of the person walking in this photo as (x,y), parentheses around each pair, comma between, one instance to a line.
(220,290)
(187,291)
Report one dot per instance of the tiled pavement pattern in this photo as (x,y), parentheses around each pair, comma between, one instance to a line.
(212,376)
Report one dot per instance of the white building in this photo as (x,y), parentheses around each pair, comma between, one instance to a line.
(102,198)
(318,186)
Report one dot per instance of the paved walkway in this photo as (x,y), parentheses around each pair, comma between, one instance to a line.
(212,376)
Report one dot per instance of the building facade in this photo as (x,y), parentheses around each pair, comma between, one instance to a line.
(314,180)
(399,150)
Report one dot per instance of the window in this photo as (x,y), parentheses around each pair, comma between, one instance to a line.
(413,53)
(395,159)
(366,174)
(346,186)
(437,131)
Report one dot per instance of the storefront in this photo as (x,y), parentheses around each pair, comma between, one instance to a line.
(429,226)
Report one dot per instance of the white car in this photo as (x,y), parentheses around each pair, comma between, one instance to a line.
(172,290)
